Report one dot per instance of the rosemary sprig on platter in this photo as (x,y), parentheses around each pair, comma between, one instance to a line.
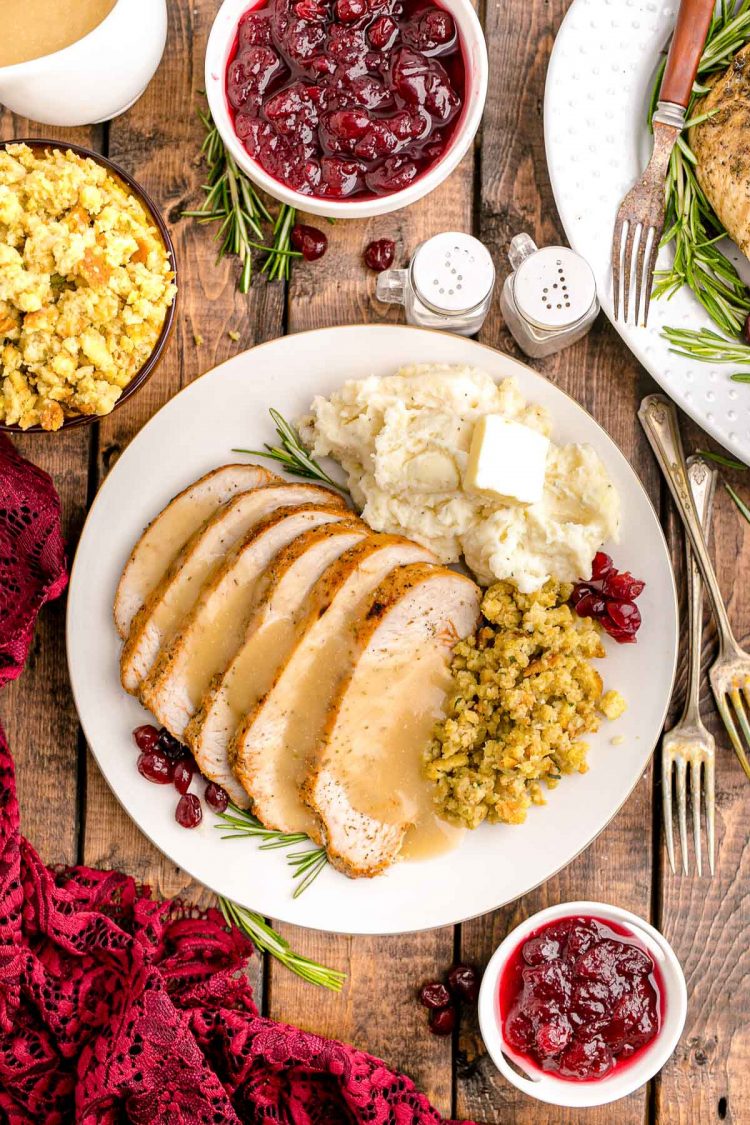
(306,863)
(292,454)
(232,201)
(691,224)
(266,940)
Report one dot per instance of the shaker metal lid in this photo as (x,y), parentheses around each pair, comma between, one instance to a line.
(452,272)
(554,287)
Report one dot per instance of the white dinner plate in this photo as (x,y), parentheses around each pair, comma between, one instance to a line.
(194,433)
(598,87)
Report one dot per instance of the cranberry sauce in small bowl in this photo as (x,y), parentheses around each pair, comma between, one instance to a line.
(581,1004)
(347,108)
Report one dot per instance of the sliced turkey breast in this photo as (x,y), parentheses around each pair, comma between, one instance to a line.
(212,631)
(172,599)
(366,785)
(168,533)
(270,749)
(269,634)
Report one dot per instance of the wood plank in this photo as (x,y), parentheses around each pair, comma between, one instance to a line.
(708,1078)
(603,377)
(378,1010)
(37,710)
(158,141)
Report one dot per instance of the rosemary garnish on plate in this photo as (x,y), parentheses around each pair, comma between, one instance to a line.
(691,224)
(292,454)
(265,939)
(232,201)
(306,863)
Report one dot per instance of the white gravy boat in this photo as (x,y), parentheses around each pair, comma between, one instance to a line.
(95,78)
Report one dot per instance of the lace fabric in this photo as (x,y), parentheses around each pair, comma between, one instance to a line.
(114,1007)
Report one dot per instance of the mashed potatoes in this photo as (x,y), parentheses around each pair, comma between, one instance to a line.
(85,284)
(404,442)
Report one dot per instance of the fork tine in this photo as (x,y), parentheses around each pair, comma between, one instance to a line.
(627,268)
(731,729)
(681,785)
(649,275)
(739,707)
(640,261)
(695,794)
(616,259)
(709,778)
(666,797)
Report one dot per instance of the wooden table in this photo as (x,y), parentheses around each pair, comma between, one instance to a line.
(69,813)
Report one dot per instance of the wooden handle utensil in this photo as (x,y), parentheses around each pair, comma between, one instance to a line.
(691,29)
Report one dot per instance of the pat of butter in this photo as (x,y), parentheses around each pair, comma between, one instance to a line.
(507,460)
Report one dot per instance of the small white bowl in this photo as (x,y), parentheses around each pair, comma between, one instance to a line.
(220,44)
(96,78)
(558,1091)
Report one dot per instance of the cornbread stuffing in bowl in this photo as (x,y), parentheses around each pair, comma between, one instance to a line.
(86,286)
(524,695)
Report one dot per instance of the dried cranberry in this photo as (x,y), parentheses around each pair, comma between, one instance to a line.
(310,241)
(442,1021)
(463,982)
(379,254)
(622,586)
(624,615)
(169,746)
(434,994)
(146,737)
(183,774)
(601,566)
(591,605)
(189,812)
(216,797)
(155,767)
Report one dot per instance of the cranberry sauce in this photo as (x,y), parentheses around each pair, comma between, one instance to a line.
(580,997)
(346,99)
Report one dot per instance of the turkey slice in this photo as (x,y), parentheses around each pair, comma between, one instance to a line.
(175,595)
(281,602)
(366,785)
(168,533)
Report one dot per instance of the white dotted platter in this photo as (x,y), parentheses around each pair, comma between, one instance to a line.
(598,85)
(195,432)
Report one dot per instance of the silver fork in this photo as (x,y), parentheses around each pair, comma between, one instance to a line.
(640,219)
(729,676)
(689,743)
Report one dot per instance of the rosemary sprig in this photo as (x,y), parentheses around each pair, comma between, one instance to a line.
(292,454)
(232,201)
(267,940)
(691,223)
(721,459)
(306,864)
(741,505)
(707,345)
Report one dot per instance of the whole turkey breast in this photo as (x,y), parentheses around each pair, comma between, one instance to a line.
(722,147)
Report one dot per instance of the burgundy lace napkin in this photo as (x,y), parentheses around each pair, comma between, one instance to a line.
(116,1008)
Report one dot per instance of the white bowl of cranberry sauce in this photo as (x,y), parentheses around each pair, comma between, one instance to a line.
(582,1004)
(347,108)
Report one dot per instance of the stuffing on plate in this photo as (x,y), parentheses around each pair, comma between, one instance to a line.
(524,695)
(85,285)
(405,442)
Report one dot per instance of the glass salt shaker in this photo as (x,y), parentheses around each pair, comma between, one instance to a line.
(549,301)
(448,284)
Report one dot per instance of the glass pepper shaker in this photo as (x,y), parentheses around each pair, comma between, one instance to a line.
(549,301)
(448,284)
